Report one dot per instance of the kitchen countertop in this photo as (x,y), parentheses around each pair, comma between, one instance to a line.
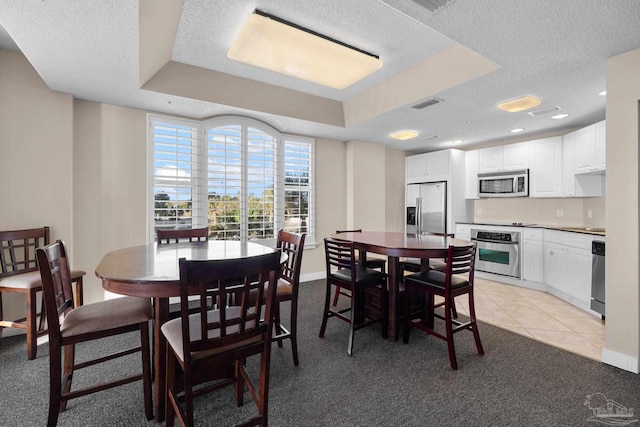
(585,230)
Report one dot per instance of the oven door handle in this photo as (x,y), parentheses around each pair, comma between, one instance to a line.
(475,239)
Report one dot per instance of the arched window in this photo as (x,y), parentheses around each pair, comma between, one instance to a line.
(239,177)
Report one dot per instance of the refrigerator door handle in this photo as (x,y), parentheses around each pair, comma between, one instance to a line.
(418,216)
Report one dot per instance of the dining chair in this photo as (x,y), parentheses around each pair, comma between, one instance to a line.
(19,274)
(343,271)
(414,265)
(203,346)
(456,280)
(287,289)
(375,263)
(70,325)
(164,236)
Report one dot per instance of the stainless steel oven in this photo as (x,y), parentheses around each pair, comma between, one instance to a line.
(498,252)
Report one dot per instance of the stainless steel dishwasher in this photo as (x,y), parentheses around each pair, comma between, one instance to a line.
(597,277)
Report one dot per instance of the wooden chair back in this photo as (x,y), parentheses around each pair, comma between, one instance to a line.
(340,255)
(18,250)
(175,236)
(460,260)
(56,285)
(291,244)
(234,325)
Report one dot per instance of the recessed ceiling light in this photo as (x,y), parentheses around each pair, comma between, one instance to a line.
(603,93)
(560,116)
(405,134)
(272,43)
(516,130)
(519,104)
(457,141)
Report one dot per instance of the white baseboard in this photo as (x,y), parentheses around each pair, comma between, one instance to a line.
(313,276)
(620,360)
(12,332)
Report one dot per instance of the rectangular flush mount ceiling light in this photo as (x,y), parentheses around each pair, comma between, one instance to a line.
(403,135)
(277,45)
(519,104)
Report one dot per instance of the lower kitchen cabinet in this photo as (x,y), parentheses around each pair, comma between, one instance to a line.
(555,265)
(533,255)
(567,266)
(579,265)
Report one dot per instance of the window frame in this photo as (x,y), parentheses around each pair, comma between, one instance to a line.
(200,174)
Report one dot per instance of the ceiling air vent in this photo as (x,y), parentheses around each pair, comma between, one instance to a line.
(427,103)
(543,111)
(433,6)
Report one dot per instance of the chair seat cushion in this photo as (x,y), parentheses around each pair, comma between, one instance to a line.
(363,275)
(435,278)
(284,292)
(376,262)
(31,279)
(172,330)
(106,315)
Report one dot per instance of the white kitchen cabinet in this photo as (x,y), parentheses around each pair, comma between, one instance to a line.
(579,269)
(567,266)
(545,175)
(503,158)
(583,185)
(533,254)
(471,169)
(427,167)
(568,165)
(516,156)
(490,160)
(590,147)
(555,265)
(415,166)
(601,145)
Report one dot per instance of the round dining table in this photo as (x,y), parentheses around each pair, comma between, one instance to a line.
(152,271)
(396,245)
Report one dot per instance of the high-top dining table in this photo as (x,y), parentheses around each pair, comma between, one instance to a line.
(152,271)
(396,245)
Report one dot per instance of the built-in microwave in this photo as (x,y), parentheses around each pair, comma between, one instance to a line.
(504,184)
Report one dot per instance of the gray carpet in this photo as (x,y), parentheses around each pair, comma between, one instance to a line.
(518,382)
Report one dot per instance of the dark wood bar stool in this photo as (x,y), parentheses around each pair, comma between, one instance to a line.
(343,271)
(456,280)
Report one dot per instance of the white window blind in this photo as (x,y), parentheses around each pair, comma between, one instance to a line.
(239,177)
(174,171)
(298,185)
(224,186)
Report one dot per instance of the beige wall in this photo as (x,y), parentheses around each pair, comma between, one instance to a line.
(35,157)
(394,190)
(622,186)
(542,211)
(365,186)
(110,183)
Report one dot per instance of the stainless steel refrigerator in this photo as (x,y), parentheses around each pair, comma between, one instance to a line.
(426,208)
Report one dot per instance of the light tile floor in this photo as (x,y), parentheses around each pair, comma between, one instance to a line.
(537,315)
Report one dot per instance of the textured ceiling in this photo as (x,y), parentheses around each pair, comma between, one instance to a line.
(472,54)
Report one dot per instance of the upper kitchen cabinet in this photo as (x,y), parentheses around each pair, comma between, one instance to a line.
(504,158)
(581,185)
(545,174)
(471,169)
(590,147)
(428,167)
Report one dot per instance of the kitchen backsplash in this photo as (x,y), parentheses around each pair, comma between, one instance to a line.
(587,212)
